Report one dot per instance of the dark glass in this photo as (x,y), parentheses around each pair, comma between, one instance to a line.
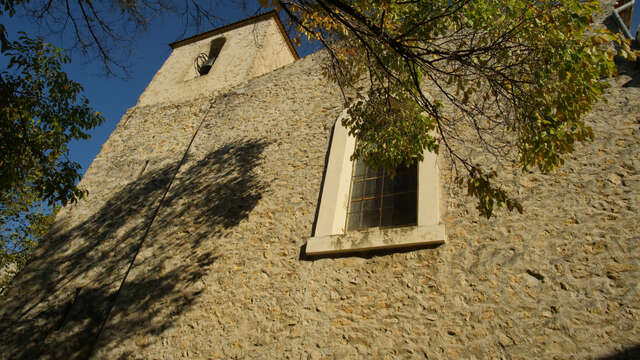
(360,170)
(371,204)
(404,209)
(354,221)
(378,199)
(355,206)
(387,216)
(372,187)
(370,218)
(357,190)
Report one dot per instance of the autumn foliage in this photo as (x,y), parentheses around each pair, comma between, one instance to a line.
(520,74)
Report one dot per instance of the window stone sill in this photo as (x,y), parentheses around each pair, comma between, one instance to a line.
(376,239)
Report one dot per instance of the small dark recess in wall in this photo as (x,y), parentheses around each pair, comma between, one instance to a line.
(204,61)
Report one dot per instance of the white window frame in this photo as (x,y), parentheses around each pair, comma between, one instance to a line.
(330,236)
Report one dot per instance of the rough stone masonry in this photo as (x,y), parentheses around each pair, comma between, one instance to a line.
(203,205)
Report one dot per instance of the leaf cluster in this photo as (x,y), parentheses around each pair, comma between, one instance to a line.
(514,77)
(41,110)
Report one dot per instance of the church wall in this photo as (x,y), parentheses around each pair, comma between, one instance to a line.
(219,272)
(246,202)
(558,281)
(274,53)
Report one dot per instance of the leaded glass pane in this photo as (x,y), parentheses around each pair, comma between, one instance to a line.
(354,221)
(371,187)
(371,204)
(379,199)
(357,190)
(356,206)
(359,171)
(370,218)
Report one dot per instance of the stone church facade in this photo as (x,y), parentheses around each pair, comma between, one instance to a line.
(207,200)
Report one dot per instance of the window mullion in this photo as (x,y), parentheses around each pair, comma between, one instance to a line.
(381,194)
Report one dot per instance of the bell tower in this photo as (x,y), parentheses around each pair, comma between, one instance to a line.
(208,63)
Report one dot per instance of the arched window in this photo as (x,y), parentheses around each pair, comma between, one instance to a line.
(364,209)
(204,61)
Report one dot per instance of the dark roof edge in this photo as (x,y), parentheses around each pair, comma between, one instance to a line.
(238,24)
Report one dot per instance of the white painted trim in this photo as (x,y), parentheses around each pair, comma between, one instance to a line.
(330,236)
(335,194)
(428,190)
(376,239)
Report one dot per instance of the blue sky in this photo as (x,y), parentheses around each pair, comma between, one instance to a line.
(113,96)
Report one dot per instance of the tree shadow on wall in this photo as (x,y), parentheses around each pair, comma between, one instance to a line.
(59,302)
(631,353)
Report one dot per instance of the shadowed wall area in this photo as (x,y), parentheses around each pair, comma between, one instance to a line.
(624,354)
(81,270)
